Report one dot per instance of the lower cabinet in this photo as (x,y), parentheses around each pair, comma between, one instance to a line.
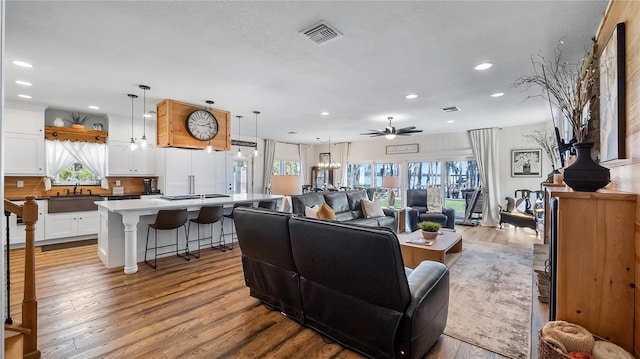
(72,224)
(17,234)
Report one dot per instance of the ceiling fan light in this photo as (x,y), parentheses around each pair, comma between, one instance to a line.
(390,136)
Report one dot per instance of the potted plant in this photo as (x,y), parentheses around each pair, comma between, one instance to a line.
(77,120)
(429,229)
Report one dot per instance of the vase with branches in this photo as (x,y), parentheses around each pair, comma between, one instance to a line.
(566,85)
(545,138)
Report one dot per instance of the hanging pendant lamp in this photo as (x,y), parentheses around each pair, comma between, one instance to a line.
(209,103)
(143,140)
(239,154)
(328,163)
(132,144)
(255,151)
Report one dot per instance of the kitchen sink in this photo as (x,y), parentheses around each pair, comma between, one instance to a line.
(73,203)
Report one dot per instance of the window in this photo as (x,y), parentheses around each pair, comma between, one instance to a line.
(392,195)
(76,173)
(286,167)
(462,178)
(424,174)
(359,175)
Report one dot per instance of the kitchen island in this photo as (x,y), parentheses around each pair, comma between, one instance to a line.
(123,224)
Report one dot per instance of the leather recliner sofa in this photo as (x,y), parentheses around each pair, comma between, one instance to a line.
(347,207)
(417,211)
(345,281)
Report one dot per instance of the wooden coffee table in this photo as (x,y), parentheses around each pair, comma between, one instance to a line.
(447,248)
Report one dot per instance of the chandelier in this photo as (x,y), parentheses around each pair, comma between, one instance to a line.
(327,161)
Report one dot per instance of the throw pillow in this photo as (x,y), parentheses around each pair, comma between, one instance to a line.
(434,200)
(311,212)
(371,209)
(326,212)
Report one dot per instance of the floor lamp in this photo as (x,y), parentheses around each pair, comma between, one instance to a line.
(287,186)
(391,182)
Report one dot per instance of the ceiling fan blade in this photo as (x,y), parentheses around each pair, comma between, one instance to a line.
(405,129)
(406,132)
(373,133)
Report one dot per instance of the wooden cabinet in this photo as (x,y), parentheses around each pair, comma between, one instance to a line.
(592,256)
(24,154)
(123,162)
(72,224)
(320,177)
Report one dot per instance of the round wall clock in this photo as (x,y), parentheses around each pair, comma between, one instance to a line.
(202,125)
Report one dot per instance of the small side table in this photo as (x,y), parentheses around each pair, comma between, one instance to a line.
(401,216)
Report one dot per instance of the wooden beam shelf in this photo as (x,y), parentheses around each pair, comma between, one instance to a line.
(75,134)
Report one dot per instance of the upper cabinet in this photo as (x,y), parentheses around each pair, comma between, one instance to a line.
(123,162)
(188,126)
(23,121)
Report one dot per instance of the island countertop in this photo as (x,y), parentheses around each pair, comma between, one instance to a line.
(160,203)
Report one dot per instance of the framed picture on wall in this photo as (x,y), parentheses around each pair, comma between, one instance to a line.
(526,163)
(613,97)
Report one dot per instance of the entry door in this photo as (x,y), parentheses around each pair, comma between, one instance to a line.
(241,175)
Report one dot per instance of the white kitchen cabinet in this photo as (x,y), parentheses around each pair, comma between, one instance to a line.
(24,154)
(17,234)
(71,224)
(184,171)
(124,162)
(23,121)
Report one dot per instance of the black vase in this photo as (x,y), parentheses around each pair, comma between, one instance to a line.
(584,174)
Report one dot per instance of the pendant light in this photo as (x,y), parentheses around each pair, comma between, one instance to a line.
(255,151)
(132,144)
(239,154)
(143,140)
(329,164)
(209,103)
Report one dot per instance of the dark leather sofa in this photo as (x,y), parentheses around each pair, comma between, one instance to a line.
(347,282)
(347,206)
(417,211)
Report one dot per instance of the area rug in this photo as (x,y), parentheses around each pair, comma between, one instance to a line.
(490,297)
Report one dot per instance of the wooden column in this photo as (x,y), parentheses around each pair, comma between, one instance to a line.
(30,302)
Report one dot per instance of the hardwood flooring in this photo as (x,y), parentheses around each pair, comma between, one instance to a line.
(196,309)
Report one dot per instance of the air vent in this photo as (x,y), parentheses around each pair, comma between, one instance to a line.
(321,32)
(451,109)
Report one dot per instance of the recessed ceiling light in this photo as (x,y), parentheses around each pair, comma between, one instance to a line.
(23,83)
(24,96)
(483,66)
(94,107)
(411,96)
(451,121)
(498,94)
(324,113)
(147,115)
(22,64)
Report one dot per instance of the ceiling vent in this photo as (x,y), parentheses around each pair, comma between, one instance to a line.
(321,32)
(451,109)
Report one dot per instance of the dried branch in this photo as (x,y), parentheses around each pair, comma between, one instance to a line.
(547,140)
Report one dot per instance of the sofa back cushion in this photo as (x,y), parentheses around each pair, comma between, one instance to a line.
(352,282)
(267,259)
(338,202)
(355,202)
(299,202)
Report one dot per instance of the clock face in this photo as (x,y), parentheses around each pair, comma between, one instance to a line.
(202,125)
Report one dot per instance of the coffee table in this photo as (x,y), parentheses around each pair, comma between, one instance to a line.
(447,248)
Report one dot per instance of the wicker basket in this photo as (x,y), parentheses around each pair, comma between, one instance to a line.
(548,351)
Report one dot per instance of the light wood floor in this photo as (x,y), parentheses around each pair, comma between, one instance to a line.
(197,309)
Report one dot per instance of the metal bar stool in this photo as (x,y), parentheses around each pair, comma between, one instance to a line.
(209,215)
(167,219)
(268,204)
(230,216)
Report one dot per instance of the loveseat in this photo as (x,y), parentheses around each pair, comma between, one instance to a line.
(417,211)
(347,206)
(347,282)
(522,212)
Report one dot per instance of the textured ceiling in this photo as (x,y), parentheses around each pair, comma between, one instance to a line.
(250,56)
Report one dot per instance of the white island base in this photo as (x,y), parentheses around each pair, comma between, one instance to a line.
(123,226)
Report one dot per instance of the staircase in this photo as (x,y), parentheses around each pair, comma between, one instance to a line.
(27,331)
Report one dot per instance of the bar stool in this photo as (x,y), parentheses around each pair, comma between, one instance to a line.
(209,215)
(167,219)
(230,216)
(268,204)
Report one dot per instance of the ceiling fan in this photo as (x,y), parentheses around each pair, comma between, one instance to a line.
(391,132)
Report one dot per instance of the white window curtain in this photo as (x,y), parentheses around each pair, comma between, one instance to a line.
(57,158)
(269,156)
(62,154)
(344,156)
(303,151)
(485,144)
(92,155)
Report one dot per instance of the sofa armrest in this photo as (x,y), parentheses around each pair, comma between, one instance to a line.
(451,217)
(412,216)
(389,212)
(426,316)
